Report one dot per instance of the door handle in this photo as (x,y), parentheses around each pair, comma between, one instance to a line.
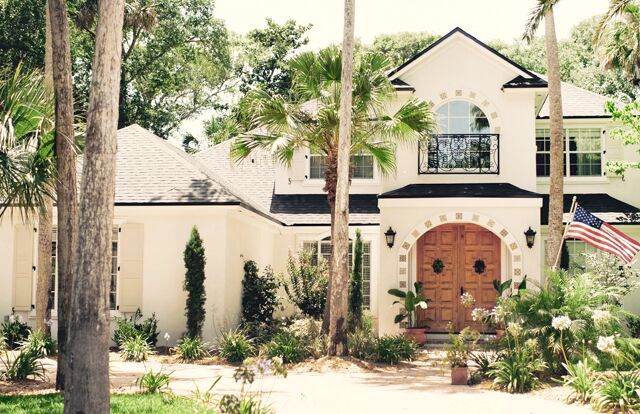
(461,290)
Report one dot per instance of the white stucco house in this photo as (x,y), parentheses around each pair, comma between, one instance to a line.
(465,198)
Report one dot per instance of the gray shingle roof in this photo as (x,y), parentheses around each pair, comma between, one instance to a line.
(578,103)
(151,170)
(255,176)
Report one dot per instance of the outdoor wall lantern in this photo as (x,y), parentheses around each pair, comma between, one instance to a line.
(530,236)
(391,237)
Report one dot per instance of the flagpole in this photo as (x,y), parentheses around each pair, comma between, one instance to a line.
(572,212)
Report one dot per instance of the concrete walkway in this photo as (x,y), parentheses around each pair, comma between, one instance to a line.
(350,389)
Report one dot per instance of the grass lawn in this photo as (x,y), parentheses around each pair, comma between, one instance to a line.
(120,404)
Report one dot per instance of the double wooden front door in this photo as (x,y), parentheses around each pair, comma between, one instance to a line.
(453,259)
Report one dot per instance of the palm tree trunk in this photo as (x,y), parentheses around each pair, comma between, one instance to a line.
(43,282)
(88,385)
(330,179)
(556,178)
(339,306)
(67,204)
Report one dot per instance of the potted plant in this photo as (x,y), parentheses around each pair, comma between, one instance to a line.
(458,351)
(410,302)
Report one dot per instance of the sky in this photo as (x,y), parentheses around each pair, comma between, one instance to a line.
(485,19)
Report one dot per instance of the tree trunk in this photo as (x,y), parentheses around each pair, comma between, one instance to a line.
(43,282)
(330,177)
(67,204)
(88,383)
(556,176)
(339,306)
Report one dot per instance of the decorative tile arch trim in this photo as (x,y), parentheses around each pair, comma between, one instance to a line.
(476,98)
(482,220)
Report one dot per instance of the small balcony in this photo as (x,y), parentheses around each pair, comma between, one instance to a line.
(460,154)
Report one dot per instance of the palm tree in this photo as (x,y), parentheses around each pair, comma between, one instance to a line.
(544,10)
(87,387)
(338,299)
(309,118)
(26,143)
(617,38)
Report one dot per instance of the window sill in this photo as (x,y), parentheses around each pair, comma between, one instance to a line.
(577,180)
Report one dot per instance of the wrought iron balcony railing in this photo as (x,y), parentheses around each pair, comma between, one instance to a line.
(460,154)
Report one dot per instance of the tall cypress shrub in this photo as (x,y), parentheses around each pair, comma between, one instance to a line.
(355,284)
(194,261)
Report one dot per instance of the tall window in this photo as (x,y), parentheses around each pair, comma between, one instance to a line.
(361,166)
(582,152)
(113,289)
(322,250)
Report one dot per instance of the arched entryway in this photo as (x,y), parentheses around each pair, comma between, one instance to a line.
(451,259)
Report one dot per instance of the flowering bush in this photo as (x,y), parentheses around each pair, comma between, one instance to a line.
(607,344)
(467,300)
(561,323)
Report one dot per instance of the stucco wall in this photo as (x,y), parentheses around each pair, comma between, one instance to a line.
(408,218)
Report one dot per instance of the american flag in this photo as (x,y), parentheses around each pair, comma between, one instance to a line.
(590,229)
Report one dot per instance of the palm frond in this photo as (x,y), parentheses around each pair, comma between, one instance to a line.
(535,18)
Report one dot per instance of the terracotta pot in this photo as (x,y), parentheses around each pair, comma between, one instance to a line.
(419,335)
(459,375)
(499,333)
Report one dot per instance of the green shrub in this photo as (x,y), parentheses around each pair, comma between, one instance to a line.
(234,346)
(307,283)
(361,343)
(22,366)
(40,343)
(356,299)
(633,325)
(127,328)
(153,382)
(483,361)
(191,349)
(516,371)
(392,349)
(581,379)
(14,331)
(619,393)
(458,349)
(245,404)
(259,294)
(135,349)
(194,262)
(287,346)
(309,331)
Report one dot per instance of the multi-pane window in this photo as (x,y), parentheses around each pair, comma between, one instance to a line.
(324,248)
(462,117)
(577,250)
(113,286)
(361,166)
(582,152)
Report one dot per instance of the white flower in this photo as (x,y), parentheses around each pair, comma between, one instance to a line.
(561,323)
(12,319)
(467,300)
(48,322)
(607,344)
(19,318)
(479,314)
(167,336)
(514,328)
(600,317)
